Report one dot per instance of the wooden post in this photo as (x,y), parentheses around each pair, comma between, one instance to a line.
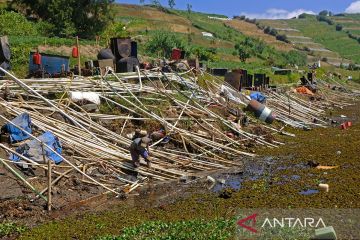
(49,185)
(79,60)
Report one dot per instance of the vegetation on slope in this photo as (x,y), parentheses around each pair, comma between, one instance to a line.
(326,34)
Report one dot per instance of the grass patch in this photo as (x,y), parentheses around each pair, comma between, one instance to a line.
(8,228)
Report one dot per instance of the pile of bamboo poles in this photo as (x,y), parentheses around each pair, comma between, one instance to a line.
(138,96)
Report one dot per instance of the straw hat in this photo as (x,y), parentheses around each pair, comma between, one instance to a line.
(145,142)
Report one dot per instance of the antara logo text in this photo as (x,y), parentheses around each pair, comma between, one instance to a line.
(287,222)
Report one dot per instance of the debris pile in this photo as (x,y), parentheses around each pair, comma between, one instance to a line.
(197,123)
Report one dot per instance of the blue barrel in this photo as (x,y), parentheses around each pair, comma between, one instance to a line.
(52,64)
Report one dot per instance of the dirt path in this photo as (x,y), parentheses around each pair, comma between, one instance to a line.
(279,178)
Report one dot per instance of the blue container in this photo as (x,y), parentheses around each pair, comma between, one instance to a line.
(51,64)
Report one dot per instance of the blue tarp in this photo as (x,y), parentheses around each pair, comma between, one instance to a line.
(34,150)
(16,134)
(258,97)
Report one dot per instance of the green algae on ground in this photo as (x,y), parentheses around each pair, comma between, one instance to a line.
(195,229)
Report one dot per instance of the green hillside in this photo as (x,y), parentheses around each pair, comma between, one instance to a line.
(322,39)
(317,40)
(325,34)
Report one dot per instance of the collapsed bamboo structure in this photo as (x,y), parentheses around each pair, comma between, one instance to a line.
(177,102)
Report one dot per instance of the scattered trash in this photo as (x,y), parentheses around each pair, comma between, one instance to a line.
(83,97)
(261,111)
(324,187)
(258,97)
(38,152)
(309,192)
(338,152)
(222,181)
(304,90)
(15,133)
(210,179)
(326,167)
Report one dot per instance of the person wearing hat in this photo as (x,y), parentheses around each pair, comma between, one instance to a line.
(140,147)
(139,134)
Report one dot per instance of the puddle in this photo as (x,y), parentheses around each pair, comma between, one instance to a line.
(309,192)
(254,170)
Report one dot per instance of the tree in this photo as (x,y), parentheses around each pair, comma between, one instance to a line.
(172,3)
(69,17)
(156,3)
(142,1)
(189,8)
(162,43)
(324,13)
(243,52)
(339,27)
(302,16)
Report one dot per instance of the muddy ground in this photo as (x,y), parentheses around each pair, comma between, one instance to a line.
(279,178)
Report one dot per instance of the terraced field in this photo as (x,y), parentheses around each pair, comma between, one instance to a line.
(252,30)
(319,39)
(329,38)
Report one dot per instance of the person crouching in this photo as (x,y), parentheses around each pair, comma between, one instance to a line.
(140,147)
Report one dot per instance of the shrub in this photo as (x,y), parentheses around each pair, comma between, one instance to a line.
(45,28)
(242,17)
(283,38)
(267,30)
(324,13)
(339,27)
(162,44)
(302,16)
(117,29)
(325,19)
(204,54)
(12,23)
(294,57)
(273,32)
(353,67)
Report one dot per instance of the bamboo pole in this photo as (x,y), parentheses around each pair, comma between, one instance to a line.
(49,186)
(79,58)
